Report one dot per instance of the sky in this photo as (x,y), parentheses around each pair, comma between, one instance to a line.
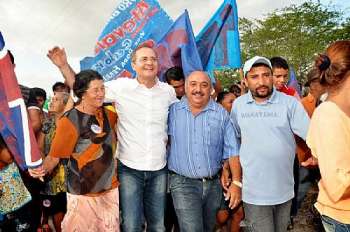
(31,27)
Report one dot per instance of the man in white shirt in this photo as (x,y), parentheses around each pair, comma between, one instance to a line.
(142,105)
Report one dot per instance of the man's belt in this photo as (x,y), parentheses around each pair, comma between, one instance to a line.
(204,179)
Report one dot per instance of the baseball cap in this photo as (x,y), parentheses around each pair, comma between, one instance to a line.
(255,60)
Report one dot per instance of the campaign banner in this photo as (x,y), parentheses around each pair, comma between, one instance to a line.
(218,42)
(15,128)
(178,48)
(131,23)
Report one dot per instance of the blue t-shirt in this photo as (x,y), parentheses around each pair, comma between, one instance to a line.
(267,148)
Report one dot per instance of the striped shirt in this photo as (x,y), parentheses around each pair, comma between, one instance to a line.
(199,144)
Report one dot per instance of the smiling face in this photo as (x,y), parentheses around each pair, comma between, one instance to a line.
(259,82)
(198,88)
(145,63)
(95,94)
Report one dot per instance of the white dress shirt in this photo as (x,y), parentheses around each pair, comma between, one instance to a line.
(142,122)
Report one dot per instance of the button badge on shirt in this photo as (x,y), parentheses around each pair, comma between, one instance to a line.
(96,129)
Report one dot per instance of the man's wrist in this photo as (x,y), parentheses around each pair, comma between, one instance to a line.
(237,183)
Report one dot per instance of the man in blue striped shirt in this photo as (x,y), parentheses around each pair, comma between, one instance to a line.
(201,137)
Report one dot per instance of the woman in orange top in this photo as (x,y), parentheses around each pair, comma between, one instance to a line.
(329,138)
(85,141)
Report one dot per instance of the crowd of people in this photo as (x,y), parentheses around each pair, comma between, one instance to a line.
(137,154)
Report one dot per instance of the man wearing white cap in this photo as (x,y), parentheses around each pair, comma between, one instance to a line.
(266,120)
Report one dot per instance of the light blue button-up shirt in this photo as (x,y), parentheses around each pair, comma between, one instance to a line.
(268,146)
(199,144)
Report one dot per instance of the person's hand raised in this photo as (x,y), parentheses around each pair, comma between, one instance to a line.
(58,57)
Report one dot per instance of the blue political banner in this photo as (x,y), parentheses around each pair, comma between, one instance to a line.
(131,23)
(218,42)
(178,48)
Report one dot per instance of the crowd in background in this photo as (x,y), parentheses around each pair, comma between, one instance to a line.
(186,155)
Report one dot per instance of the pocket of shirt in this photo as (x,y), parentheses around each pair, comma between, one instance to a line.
(212,135)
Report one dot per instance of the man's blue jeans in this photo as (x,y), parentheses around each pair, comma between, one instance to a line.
(196,202)
(331,225)
(142,196)
(264,218)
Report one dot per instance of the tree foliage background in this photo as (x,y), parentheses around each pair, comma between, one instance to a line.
(296,32)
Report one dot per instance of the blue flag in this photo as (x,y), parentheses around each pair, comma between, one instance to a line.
(218,42)
(178,48)
(129,25)
(14,124)
(293,81)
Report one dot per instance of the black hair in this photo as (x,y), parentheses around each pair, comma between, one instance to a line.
(221,96)
(174,74)
(33,94)
(82,81)
(59,84)
(279,62)
(235,89)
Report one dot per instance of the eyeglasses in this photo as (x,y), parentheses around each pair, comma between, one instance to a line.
(146,59)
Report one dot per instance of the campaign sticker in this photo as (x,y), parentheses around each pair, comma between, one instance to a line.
(47,203)
(96,129)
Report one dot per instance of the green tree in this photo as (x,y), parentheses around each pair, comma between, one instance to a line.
(296,32)
(228,77)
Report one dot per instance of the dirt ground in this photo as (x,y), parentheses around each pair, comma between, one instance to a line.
(307,219)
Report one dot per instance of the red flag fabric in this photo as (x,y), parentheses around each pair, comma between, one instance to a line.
(14,125)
